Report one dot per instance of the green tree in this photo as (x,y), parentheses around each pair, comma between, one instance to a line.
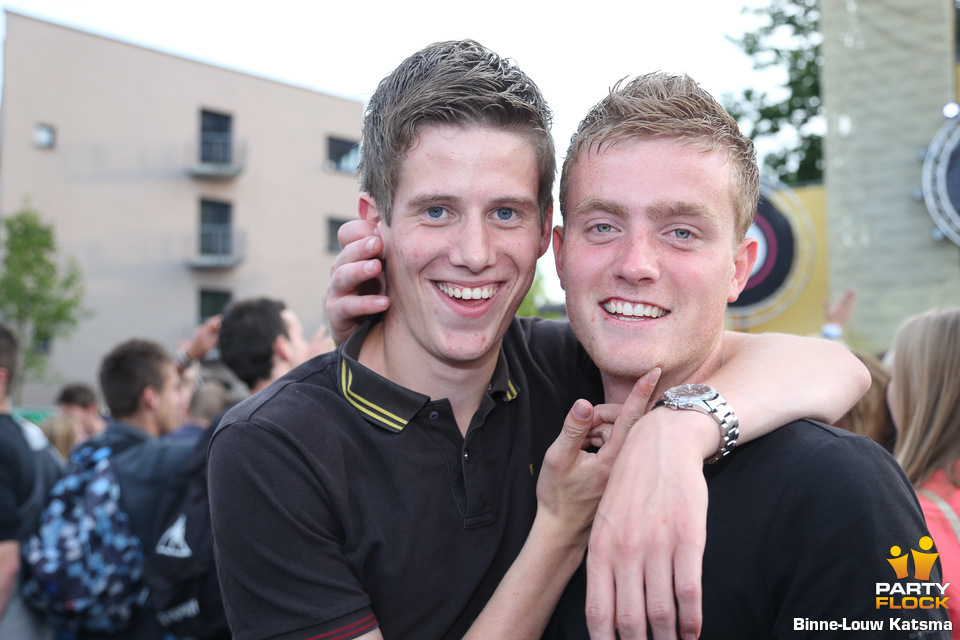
(40,299)
(789,38)
(534,298)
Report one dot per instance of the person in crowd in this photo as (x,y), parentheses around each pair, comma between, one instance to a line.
(871,415)
(924,398)
(262,340)
(208,399)
(140,384)
(409,477)
(29,467)
(63,430)
(80,400)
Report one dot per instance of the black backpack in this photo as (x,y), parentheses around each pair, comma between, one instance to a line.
(180,570)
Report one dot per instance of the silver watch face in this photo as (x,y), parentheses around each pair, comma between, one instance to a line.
(690,392)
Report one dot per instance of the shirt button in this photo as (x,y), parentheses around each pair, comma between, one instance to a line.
(434,415)
(466,456)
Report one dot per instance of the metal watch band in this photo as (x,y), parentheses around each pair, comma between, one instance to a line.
(729,427)
(714,405)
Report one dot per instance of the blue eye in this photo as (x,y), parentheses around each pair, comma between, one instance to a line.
(504,213)
(603,227)
(435,212)
(683,234)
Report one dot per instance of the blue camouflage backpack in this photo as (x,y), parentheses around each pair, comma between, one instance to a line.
(84,566)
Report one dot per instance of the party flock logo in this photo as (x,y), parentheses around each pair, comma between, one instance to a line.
(916,591)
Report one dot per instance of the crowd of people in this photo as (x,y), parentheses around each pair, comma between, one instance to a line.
(444,472)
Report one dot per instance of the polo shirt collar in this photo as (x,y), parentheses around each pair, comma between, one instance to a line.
(386,404)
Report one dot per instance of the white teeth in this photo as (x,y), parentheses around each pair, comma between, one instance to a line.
(466,293)
(633,310)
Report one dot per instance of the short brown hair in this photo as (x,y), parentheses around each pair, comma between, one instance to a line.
(663,105)
(460,83)
(129,369)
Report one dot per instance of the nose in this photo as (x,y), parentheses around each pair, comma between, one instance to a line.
(473,248)
(637,259)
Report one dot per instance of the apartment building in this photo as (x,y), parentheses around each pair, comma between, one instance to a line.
(177,185)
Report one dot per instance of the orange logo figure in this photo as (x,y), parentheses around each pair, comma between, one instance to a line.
(899,564)
(923,562)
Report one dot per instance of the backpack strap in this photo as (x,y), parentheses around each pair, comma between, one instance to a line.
(945,508)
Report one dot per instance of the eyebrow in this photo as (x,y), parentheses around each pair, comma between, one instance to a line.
(600,204)
(663,209)
(426,199)
(659,209)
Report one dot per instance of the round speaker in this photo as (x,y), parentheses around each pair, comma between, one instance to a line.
(785,258)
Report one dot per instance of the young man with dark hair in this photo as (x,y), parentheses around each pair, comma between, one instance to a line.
(140,385)
(659,188)
(28,470)
(260,340)
(407,483)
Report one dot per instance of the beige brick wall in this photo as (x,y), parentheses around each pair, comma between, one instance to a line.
(889,69)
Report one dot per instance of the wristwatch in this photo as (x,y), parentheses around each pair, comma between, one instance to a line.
(705,399)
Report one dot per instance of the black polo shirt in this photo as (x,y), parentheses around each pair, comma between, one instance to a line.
(342,500)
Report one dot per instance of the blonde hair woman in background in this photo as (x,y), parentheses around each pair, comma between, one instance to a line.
(924,398)
(63,431)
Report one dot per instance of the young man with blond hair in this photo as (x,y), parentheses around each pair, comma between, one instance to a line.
(659,188)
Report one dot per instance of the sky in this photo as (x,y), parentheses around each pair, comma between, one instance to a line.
(346,47)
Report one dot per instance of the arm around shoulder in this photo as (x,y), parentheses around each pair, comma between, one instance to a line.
(771,379)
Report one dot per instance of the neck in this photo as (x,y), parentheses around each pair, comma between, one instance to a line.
(463,384)
(616,389)
(143,422)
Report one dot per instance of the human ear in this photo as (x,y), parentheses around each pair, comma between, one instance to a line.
(367,208)
(149,397)
(545,230)
(743,261)
(558,252)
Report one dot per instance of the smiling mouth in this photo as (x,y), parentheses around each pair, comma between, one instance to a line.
(468,293)
(632,310)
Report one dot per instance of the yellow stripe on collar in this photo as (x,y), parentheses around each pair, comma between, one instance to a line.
(377,413)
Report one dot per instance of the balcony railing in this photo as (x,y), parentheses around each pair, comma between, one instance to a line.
(217,156)
(218,246)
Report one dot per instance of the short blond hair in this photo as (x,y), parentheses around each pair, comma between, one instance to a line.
(662,105)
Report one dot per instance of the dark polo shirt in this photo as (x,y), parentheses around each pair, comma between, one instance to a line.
(342,500)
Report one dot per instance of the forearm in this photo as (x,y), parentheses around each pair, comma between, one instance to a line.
(523,603)
(772,379)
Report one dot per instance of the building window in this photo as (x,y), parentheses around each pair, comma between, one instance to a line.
(213,302)
(44,136)
(343,155)
(216,228)
(216,138)
(333,226)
